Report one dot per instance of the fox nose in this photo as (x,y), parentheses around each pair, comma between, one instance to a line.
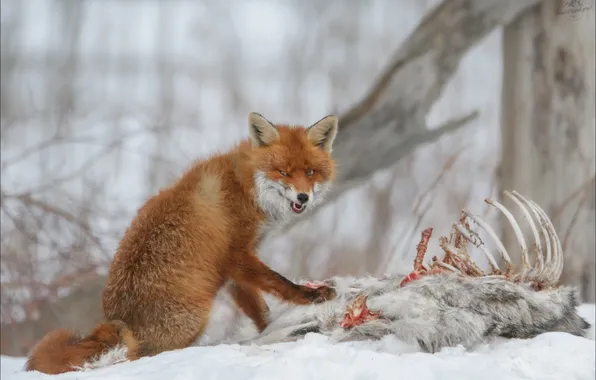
(302,197)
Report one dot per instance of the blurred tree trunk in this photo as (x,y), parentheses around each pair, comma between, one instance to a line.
(158,174)
(61,86)
(548,126)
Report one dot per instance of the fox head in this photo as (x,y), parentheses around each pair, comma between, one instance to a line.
(293,169)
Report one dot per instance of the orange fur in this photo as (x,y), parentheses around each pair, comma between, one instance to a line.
(193,237)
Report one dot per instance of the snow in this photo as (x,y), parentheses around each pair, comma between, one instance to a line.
(547,356)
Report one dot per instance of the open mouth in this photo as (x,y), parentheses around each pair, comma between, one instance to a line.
(297,207)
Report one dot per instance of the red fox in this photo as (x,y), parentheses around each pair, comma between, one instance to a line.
(199,235)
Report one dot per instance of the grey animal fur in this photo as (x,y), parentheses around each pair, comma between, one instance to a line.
(445,309)
(434,312)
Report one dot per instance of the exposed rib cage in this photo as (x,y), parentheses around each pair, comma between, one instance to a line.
(544,272)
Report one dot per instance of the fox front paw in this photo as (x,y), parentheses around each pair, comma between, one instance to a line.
(322,294)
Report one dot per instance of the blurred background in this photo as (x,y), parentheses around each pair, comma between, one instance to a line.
(103,102)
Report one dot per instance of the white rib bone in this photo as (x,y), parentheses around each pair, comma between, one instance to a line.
(493,235)
(560,259)
(557,268)
(550,267)
(447,266)
(548,263)
(547,258)
(473,238)
(450,248)
(550,270)
(463,244)
(517,231)
(537,245)
(461,261)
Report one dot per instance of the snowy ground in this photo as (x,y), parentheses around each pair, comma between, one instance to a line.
(548,356)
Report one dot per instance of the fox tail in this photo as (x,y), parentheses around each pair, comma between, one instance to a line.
(64,350)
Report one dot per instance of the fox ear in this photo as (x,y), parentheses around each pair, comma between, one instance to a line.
(262,131)
(322,133)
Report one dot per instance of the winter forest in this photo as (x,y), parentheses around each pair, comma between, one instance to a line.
(441,104)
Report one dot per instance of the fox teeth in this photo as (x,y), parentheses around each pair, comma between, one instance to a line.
(296,207)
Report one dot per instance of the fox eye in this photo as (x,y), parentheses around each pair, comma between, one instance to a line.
(283,173)
(310,172)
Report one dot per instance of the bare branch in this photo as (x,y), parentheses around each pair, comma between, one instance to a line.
(412,83)
(408,144)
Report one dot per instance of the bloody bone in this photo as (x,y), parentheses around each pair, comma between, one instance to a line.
(357,313)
